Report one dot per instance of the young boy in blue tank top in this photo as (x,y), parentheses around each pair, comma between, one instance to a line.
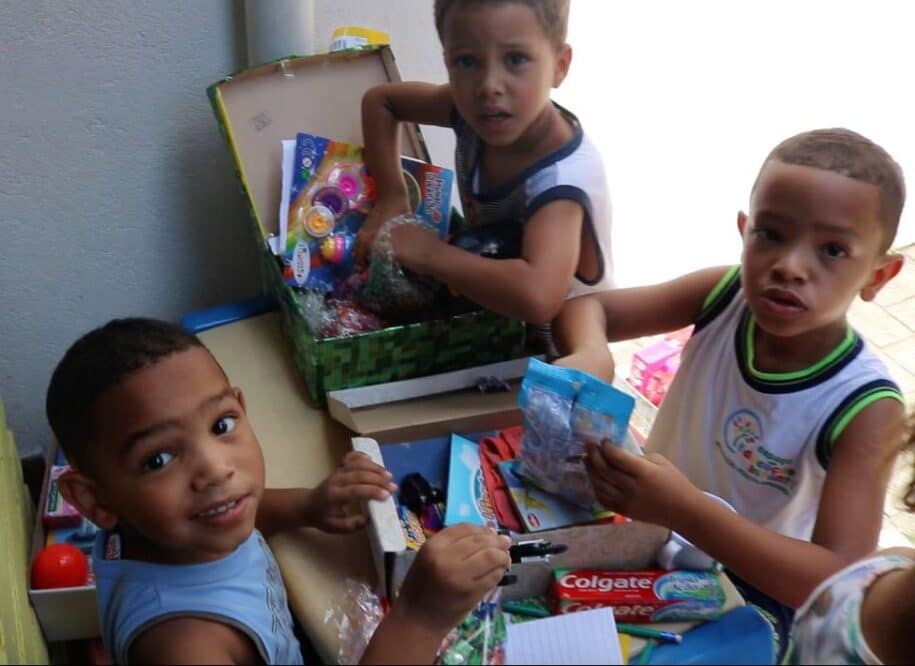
(778,407)
(520,159)
(166,463)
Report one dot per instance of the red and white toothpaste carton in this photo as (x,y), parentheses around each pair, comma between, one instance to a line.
(640,596)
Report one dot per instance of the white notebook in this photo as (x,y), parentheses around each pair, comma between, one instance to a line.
(585,637)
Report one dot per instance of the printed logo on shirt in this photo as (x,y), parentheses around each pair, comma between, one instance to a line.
(744,450)
(275,593)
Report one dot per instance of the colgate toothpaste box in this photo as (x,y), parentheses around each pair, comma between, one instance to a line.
(640,596)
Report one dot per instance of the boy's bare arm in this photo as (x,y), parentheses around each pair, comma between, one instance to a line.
(594,320)
(384,107)
(531,288)
(650,488)
(888,605)
(452,573)
(191,640)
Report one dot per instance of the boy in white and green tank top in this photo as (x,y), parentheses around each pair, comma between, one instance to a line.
(777,406)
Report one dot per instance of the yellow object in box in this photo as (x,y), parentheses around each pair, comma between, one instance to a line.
(357,37)
(21,641)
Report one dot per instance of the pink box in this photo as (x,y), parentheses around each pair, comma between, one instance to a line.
(58,512)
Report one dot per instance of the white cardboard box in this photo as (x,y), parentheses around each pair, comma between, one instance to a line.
(68,613)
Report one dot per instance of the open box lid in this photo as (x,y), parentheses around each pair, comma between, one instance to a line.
(431,406)
(260,107)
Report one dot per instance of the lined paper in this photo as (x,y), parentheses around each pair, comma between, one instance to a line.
(585,637)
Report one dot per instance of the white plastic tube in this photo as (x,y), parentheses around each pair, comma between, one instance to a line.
(279,28)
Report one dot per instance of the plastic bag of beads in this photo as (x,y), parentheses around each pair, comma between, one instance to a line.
(355,618)
(563,409)
(389,289)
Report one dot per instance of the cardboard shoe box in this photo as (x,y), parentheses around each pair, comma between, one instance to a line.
(322,95)
(406,426)
(68,613)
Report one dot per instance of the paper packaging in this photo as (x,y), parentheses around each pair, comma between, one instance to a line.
(64,614)
(57,511)
(640,596)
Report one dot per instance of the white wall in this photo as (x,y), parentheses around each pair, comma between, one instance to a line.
(117,195)
(685,99)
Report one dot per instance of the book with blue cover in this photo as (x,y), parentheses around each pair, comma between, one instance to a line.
(467,500)
(331,192)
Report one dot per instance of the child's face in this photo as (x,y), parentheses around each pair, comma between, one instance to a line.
(176,462)
(501,66)
(812,241)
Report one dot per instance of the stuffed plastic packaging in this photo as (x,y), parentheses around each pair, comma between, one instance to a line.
(563,409)
(389,290)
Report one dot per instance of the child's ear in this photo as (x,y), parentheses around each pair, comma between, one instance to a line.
(83,494)
(888,267)
(741,222)
(240,397)
(563,60)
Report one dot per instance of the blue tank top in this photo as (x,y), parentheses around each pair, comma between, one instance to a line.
(243,590)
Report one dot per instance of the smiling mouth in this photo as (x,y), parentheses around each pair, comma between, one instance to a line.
(220,509)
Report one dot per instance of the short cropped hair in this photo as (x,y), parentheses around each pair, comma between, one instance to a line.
(97,362)
(553,15)
(854,156)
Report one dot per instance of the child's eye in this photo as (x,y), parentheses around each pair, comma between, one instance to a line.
(835,251)
(765,234)
(224,425)
(464,62)
(157,461)
(516,59)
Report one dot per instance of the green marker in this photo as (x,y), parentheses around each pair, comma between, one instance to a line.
(647,651)
(527,610)
(646,632)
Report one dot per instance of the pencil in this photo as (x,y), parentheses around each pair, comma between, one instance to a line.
(646,632)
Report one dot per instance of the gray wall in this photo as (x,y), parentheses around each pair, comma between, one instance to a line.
(117,196)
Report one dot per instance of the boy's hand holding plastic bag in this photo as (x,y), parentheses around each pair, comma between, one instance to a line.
(564,409)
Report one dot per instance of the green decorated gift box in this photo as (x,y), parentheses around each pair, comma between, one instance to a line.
(321,95)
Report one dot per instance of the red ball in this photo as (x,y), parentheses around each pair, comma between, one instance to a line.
(59,565)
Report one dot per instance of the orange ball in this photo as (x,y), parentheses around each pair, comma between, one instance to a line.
(59,565)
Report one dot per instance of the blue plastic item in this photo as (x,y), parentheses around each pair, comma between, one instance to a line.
(203,320)
(742,636)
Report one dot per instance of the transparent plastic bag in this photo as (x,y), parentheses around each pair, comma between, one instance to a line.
(355,618)
(330,317)
(479,639)
(563,409)
(389,289)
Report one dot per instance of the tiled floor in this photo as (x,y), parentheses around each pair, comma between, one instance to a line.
(888,326)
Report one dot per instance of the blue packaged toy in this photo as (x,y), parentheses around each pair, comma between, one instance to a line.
(563,409)
(330,195)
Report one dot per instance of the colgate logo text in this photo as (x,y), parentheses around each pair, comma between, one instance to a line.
(605,583)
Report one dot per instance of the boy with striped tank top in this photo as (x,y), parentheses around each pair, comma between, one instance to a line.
(778,405)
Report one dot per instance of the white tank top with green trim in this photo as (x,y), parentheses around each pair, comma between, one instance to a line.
(762,441)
